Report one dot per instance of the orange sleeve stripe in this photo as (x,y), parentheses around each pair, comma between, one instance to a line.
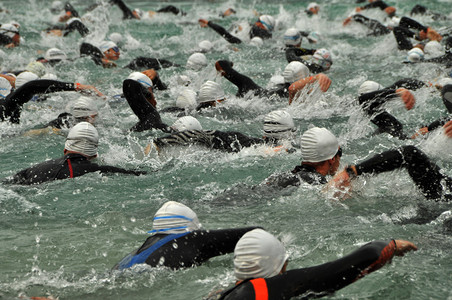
(260,288)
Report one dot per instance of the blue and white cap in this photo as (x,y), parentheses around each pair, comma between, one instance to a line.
(174,217)
(104,46)
(5,87)
(292,37)
(268,22)
(141,78)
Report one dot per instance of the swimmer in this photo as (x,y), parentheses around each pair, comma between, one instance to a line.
(71,25)
(12,101)
(80,148)
(139,14)
(278,127)
(177,240)
(320,61)
(262,28)
(260,269)
(403,32)
(313,8)
(143,62)
(52,57)
(104,55)
(9,36)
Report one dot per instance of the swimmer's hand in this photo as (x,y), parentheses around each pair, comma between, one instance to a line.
(448,129)
(88,89)
(203,22)
(347,21)
(403,247)
(227,12)
(421,131)
(342,181)
(108,63)
(220,64)
(407,98)
(324,82)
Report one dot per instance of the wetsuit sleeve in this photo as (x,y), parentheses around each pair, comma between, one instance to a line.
(224,33)
(222,241)
(438,123)
(169,9)
(142,62)
(376,27)
(376,4)
(111,169)
(148,115)
(260,32)
(5,40)
(371,102)
(232,141)
(324,279)
(92,51)
(76,25)
(69,8)
(425,173)
(127,12)
(408,83)
(293,54)
(243,82)
(186,137)
(411,24)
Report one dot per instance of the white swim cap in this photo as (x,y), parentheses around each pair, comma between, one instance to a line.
(415,55)
(25,77)
(292,37)
(9,30)
(139,12)
(186,99)
(57,6)
(84,107)
(50,76)
(197,61)
(278,124)
(83,138)
(36,67)
(313,37)
(444,81)
(186,123)
(394,22)
(256,41)
(268,22)
(183,80)
(71,20)
(318,144)
(115,37)
(141,78)
(55,54)
(174,217)
(294,71)
(258,254)
(104,46)
(433,48)
(205,45)
(5,87)
(210,91)
(323,58)
(312,5)
(369,86)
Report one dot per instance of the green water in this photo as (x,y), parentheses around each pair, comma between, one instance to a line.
(62,238)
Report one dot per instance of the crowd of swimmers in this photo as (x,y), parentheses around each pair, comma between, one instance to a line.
(260,260)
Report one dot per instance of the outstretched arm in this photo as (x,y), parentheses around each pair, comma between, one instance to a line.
(220,30)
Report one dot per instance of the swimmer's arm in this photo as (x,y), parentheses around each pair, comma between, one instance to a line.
(11,79)
(42,131)
(297,86)
(220,30)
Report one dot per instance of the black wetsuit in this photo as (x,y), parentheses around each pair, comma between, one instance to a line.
(372,105)
(69,166)
(128,14)
(91,51)
(142,62)
(375,26)
(255,31)
(230,141)
(184,250)
(71,27)
(317,281)
(246,84)
(11,106)
(425,174)
(301,173)
(294,53)
(5,40)
(147,114)
(403,32)
(422,10)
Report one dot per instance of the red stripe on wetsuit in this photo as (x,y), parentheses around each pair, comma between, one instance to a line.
(71,172)
(260,288)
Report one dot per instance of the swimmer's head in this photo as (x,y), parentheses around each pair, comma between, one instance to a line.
(183,80)
(369,86)
(144,80)
(5,87)
(110,50)
(258,254)
(57,7)
(268,22)
(256,41)
(318,144)
(205,45)
(313,37)
(292,37)
(211,91)
(116,38)
(294,71)
(83,138)
(55,54)
(414,55)
(186,123)
(25,77)
(323,58)
(446,93)
(313,8)
(138,13)
(84,108)
(278,124)
(174,217)
(197,61)
(390,10)
(9,30)
(186,99)
(433,48)
(36,67)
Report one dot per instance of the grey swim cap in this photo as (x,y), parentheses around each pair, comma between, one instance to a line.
(83,138)
(174,217)
(318,144)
